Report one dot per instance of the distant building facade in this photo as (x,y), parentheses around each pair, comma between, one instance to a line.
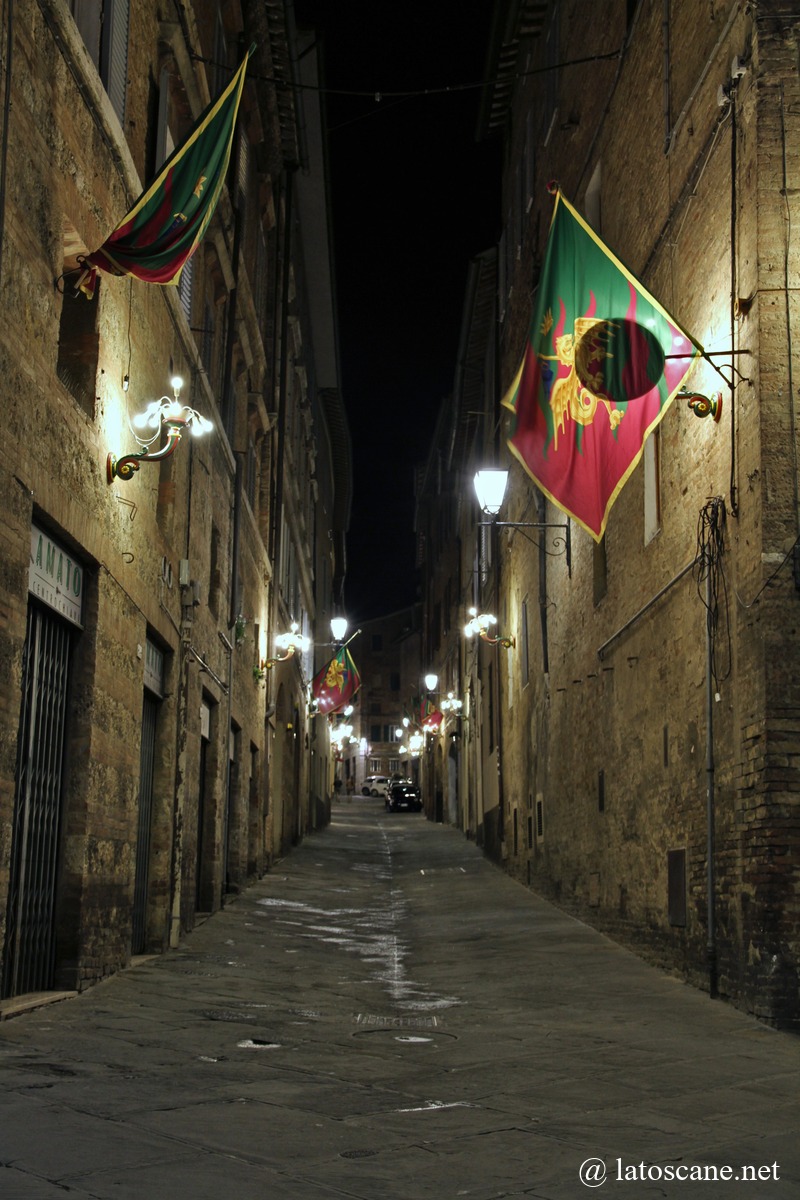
(635,755)
(386,653)
(150,760)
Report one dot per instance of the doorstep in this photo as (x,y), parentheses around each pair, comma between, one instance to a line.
(16,1005)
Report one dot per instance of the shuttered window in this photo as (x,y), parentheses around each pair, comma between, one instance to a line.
(104,26)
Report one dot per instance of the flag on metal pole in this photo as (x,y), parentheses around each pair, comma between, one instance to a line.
(168,221)
(335,685)
(602,365)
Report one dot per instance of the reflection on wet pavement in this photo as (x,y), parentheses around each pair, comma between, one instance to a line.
(375,934)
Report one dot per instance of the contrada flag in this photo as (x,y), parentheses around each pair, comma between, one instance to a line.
(602,365)
(425,714)
(168,221)
(336,684)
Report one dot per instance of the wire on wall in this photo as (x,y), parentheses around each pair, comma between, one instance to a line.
(708,568)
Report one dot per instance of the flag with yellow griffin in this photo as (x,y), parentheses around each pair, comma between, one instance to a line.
(335,685)
(602,364)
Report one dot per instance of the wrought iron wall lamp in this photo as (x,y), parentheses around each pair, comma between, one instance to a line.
(490,488)
(175,418)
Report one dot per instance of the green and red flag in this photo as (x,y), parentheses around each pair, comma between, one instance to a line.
(425,714)
(602,365)
(168,221)
(333,687)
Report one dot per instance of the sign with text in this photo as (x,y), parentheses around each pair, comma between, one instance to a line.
(55,577)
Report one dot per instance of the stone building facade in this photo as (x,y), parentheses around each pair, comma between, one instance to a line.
(635,755)
(152,760)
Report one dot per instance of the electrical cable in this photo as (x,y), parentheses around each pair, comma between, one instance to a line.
(708,567)
(378,95)
(767,582)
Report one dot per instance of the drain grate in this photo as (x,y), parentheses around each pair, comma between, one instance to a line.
(396,1022)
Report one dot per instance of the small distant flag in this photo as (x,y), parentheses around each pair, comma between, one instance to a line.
(168,221)
(602,365)
(333,687)
(425,714)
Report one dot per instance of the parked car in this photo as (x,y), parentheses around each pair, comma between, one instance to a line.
(403,797)
(376,785)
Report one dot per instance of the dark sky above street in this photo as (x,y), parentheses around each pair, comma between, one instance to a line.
(414,197)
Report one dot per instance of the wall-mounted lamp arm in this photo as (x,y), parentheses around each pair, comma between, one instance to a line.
(124,468)
(562,541)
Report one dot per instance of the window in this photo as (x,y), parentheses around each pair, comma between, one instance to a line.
(103,25)
(550,107)
(375,734)
(530,160)
(220,75)
(676,886)
(165,141)
(251,477)
(594,214)
(599,570)
(207,345)
(374,766)
(524,659)
(259,280)
(215,573)
(78,346)
(502,282)
(652,486)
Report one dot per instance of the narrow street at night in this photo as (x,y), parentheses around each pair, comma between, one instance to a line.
(387,1016)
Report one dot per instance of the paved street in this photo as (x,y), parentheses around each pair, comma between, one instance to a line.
(386,1016)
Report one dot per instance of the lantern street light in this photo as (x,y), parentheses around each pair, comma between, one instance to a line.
(490,485)
(338,628)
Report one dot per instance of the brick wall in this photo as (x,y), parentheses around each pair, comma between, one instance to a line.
(613,747)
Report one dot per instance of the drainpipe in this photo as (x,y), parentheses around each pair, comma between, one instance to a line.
(541,505)
(711,947)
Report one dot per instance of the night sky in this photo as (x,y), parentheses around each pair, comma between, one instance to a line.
(414,197)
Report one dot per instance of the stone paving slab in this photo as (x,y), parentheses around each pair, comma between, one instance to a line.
(386,1016)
